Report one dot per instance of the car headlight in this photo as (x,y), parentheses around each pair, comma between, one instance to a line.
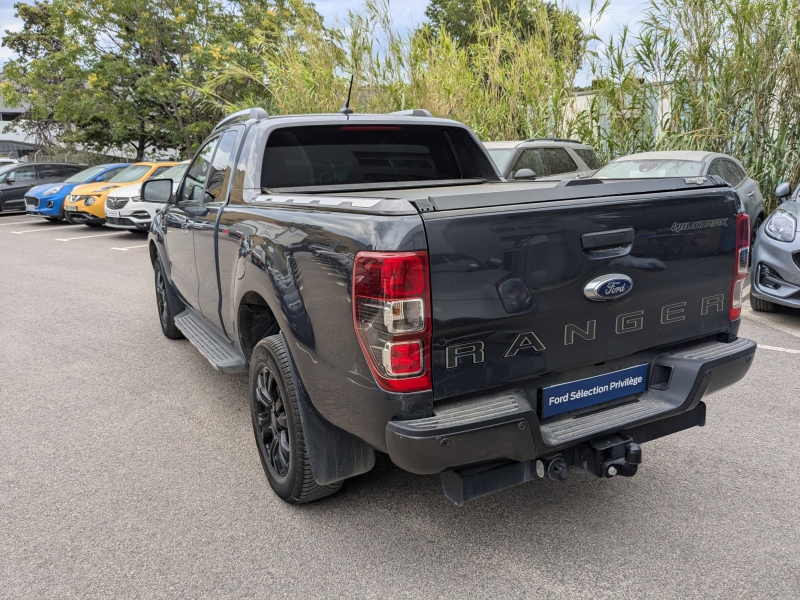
(781,226)
(53,190)
(88,201)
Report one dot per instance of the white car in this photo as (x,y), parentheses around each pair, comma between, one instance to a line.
(124,206)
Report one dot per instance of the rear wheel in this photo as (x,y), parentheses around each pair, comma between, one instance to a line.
(278,428)
(164,312)
(760,305)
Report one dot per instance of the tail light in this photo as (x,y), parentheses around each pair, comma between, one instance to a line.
(391,312)
(742,258)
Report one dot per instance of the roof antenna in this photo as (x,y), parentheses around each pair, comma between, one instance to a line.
(346,110)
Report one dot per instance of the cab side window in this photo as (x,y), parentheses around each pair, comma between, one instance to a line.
(733,174)
(530,158)
(22,174)
(196,175)
(559,161)
(716,169)
(220,172)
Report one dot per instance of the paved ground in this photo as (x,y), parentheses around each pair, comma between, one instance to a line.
(128,469)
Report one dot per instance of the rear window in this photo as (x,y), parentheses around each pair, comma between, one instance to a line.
(362,154)
(588,156)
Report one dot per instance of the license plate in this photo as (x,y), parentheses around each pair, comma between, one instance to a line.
(112,213)
(566,397)
(71,208)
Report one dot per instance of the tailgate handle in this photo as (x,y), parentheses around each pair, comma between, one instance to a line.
(607,239)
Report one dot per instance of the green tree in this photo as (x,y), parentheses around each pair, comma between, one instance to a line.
(463,20)
(124,72)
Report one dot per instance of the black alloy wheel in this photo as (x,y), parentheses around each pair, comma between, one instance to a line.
(165,315)
(278,427)
(271,430)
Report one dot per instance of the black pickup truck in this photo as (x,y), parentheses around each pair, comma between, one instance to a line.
(387,291)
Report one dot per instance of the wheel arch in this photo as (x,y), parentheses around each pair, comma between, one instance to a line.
(255,321)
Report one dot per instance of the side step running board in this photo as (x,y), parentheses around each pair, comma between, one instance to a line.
(219,351)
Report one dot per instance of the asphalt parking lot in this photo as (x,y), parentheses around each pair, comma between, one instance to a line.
(128,469)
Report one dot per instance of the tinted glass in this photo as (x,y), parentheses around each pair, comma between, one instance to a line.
(716,169)
(220,167)
(588,156)
(500,157)
(196,175)
(130,174)
(559,161)
(530,158)
(23,174)
(355,154)
(733,174)
(86,175)
(649,168)
(50,171)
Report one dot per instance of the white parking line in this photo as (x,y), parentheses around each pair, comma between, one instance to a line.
(84,237)
(131,247)
(50,229)
(776,349)
(28,222)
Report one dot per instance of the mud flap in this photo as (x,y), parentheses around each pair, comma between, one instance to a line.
(334,454)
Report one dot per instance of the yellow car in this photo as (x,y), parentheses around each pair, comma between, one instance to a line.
(87,203)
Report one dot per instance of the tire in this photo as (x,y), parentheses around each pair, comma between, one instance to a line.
(278,428)
(69,219)
(165,315)
(760,305)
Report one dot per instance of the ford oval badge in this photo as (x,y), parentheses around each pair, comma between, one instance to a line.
(608,287)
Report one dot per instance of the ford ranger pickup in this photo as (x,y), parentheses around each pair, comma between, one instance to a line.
(386,290)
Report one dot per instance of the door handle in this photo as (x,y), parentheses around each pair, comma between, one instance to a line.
(608,244)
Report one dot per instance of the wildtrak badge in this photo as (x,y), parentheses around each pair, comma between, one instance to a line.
(677,227)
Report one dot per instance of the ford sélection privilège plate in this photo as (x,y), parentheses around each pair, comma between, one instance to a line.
(566,397)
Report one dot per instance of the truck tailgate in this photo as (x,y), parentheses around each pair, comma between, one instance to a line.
(508,283)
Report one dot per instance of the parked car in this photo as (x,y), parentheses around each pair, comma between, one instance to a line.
(17,179)
(125,208)
(387,291)
(775,277)
(8,161)
(48,200)
(543,157)
(648,165)
(87,203)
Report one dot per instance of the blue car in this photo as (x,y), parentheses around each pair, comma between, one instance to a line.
(48,200)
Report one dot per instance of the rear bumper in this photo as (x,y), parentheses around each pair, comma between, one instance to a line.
(506,426)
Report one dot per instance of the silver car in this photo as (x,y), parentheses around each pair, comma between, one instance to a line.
(555,158)
(775,275)
(692,164)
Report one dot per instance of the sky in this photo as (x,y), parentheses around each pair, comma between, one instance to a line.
(406,13)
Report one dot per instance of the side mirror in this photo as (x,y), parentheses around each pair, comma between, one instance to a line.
(10,179)
(783,191)
(157,190)
(525,174)
(101,178)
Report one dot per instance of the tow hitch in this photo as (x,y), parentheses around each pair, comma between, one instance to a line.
(613,456)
